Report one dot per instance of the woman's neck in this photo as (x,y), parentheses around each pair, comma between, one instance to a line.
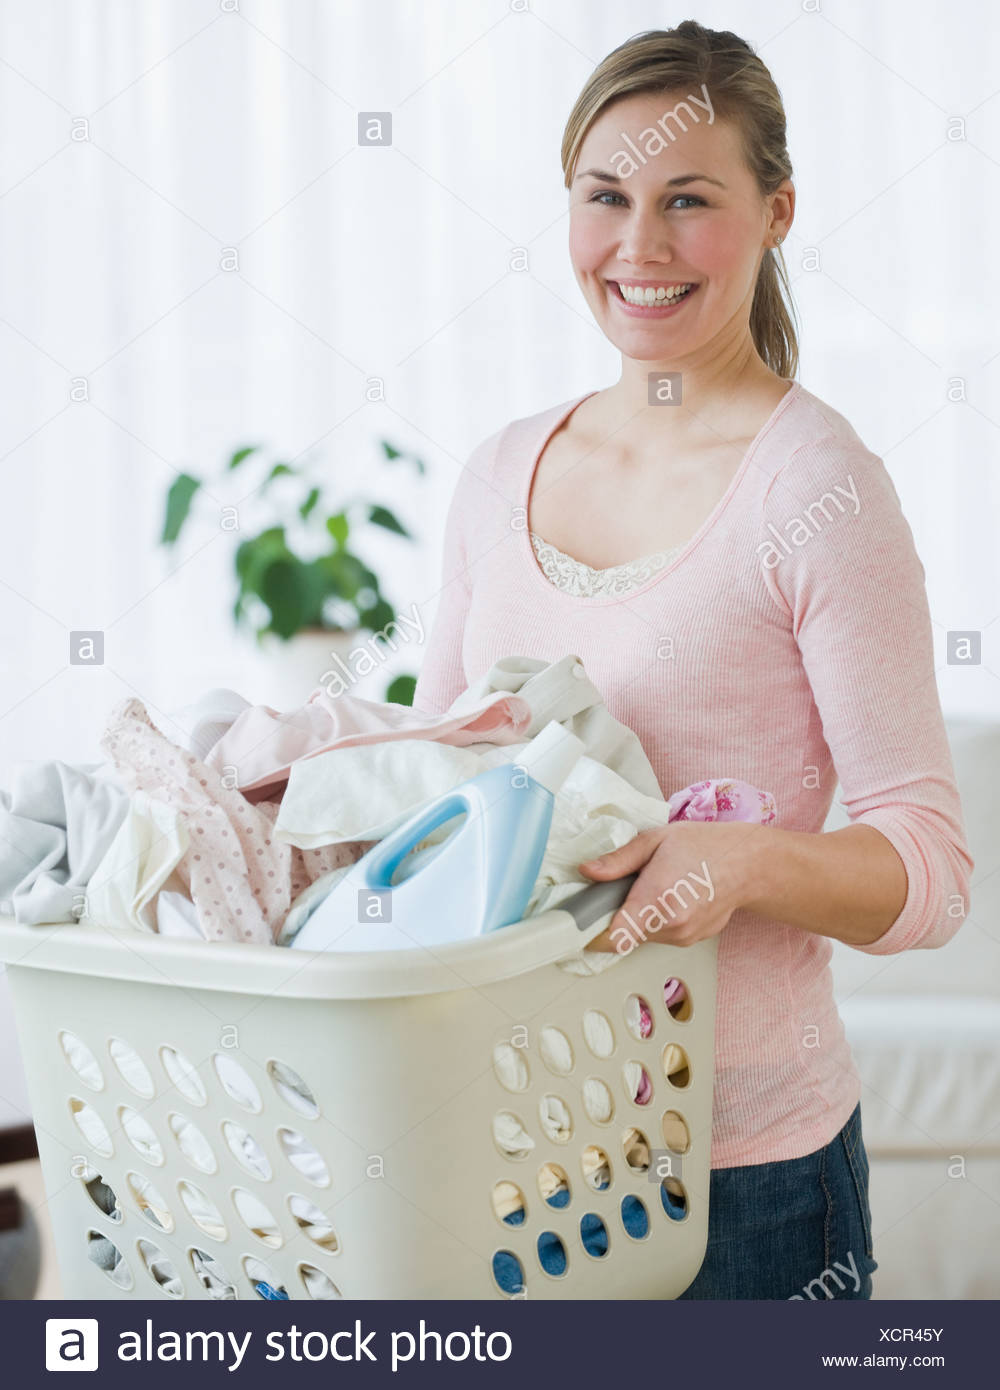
(690,401)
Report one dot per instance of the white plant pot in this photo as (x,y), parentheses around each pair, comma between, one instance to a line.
(284,674)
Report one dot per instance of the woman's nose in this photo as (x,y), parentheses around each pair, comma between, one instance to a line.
(645,238)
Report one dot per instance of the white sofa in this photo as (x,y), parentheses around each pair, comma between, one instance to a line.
(924,1028)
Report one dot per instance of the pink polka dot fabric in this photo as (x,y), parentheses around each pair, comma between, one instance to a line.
(241,880)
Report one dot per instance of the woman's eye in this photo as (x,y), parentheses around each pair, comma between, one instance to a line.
(681,198)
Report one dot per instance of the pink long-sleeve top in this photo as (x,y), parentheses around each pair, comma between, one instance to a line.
(787,644)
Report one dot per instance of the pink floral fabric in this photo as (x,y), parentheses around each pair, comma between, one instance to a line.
(715,799)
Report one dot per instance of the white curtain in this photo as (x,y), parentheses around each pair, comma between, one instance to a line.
(197,254)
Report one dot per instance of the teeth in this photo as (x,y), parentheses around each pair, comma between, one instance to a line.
(649,294)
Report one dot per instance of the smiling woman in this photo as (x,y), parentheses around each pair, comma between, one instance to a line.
(767,622)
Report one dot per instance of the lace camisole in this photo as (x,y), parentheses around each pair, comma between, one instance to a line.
(583,581)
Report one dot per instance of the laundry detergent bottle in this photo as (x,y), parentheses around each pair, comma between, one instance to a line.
(479,878)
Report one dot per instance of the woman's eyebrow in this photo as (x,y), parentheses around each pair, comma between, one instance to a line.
(678,182)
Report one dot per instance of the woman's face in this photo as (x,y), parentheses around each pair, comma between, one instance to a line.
(653,225)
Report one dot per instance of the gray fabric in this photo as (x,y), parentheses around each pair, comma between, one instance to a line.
(56,824)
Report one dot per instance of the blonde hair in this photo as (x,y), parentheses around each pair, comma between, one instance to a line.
(740,88)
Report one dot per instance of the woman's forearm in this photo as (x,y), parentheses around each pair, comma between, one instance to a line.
(848,884)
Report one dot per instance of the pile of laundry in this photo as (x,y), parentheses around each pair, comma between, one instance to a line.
(235,828)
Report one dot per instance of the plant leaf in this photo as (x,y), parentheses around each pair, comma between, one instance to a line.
(382,516)
(401,690)
(378,616)
(343,574)
(339,527)
(253,556)
(307,506)
(182,490)
(242,454)
(279,470)
(284,587)
(393,453)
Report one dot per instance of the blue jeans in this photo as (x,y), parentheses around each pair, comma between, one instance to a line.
(797,1229)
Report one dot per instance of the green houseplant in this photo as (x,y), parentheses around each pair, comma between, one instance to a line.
(301,573)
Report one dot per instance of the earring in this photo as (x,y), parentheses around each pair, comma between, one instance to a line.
(778,239)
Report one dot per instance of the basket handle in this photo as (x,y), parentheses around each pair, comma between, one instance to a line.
(597,900)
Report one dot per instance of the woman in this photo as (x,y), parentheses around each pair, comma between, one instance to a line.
(731,564)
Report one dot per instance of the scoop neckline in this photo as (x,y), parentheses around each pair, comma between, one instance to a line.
(606,569)
(595,600)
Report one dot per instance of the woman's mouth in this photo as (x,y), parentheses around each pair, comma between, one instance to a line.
(651,301)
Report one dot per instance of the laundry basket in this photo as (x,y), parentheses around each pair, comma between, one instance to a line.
(228,1121)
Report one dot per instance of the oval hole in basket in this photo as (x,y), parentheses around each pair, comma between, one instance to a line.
(677,998)
(131,1068)
(314,1224)
(673,1197)
(303,1157)
(256,1217)
(508,1272)
(552,1254)
(292,1089)
(598,1033)
(635,1147)
(82,1060)
(676,1135)
(150,1201)
(635,1217)
(317,1284)
(553,1185)
(510,1067)
(593,1235)
(596,1167)
(202,1210)
(160,1269)
(91,1126)
(247,1152)
(108,1259)
(140,1135)
(556,1050)
(598,1101)
(235,1081)
(555,1119)
(104,1197)
(263,1280)
(510,1136)
(211,1275)
(509,1206)
(676,1066)
(638,1017)
(192,1143)
(637,1082)
(183,1076)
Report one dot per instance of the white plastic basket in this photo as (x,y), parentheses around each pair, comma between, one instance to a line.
(391,1133)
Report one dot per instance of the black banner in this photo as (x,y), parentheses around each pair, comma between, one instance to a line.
(411,1343)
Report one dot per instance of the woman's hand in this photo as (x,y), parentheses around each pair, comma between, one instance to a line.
(693,876)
